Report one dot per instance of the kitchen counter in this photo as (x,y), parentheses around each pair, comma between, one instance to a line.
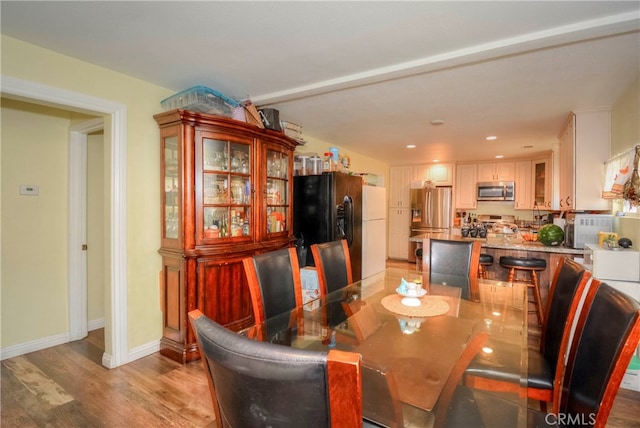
(498,242)
(497,246)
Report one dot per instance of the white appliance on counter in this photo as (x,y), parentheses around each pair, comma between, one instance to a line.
(620,269)
(374,230)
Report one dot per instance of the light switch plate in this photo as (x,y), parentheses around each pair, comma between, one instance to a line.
(29,190)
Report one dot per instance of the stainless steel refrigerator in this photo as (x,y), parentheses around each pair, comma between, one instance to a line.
(431,212)
(326,208)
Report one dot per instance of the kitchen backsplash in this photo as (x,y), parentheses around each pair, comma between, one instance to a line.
(505,208)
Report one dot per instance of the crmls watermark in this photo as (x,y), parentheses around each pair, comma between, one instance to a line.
(569,419)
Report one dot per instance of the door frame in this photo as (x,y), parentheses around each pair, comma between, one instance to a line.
(116,323)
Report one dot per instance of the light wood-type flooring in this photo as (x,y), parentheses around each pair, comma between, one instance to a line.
(66,386)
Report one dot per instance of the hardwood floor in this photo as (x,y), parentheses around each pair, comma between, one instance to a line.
(66,386)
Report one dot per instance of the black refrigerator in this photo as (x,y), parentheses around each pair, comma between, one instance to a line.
(326,208)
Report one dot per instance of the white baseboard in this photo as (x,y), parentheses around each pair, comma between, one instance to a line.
(95,324)
(144,350)
(45,342)
(59,339)
(34,345)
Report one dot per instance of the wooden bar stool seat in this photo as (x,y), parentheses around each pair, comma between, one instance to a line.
(485,260)
(533,266)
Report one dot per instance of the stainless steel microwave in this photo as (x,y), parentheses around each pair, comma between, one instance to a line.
(496,191)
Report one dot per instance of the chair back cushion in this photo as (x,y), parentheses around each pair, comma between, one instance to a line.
(568,282)
(276,278)
(450,257)
(601,345)
(258,384)
(334,264)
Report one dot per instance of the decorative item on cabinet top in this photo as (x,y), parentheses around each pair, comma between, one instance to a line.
(206,100)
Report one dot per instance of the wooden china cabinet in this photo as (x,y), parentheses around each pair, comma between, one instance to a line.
(225,195)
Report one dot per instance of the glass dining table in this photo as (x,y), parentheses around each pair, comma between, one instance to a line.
(402,322)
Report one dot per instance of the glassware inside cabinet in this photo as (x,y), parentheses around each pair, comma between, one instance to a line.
(225,222)
(215,189)
(215,155)
(171,190)
(276,219)
(277,205)
(276,192)
(277,164)
(240,160)
(240,190)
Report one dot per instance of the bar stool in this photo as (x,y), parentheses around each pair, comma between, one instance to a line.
(533,266)
(418,254)
(485,260)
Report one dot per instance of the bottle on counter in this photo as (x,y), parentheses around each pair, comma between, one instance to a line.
(327,165)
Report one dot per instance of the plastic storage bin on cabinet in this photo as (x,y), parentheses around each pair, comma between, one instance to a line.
(201,99)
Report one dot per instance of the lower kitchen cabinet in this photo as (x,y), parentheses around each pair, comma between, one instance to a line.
(399,221)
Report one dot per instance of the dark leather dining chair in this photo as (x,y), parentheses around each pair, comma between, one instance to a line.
(545,368)
(274,283)
(606,337)
(259,384)
(450,258)
(333,264)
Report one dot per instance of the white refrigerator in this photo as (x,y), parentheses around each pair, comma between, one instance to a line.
(374,230)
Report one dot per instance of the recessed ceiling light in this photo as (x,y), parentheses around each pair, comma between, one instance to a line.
(492,137)
(499,156)
(437,122)
(411,146)
(436,160)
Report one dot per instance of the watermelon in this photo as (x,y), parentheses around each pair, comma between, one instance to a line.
(551,235)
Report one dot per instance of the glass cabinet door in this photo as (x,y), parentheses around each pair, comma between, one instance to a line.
(277,192)
(226,189)
(170,208)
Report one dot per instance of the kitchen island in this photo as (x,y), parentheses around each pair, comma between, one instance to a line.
(513,245)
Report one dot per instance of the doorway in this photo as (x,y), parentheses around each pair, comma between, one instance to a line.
(116,347)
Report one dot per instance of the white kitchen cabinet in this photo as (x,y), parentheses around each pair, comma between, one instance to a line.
(440,174)
(497,171)
(542,182)
(465,186)
(399,220)
(523,196)
(584,147)
(399,185)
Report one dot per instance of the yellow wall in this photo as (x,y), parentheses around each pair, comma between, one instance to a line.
(625,120)
(34,228)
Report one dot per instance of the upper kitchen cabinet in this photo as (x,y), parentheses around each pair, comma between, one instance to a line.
(542,181)
(226,191)
(465,188)
(523,186)
(440,174)
(498,171)
(533,181)
(399,184)
(584,147)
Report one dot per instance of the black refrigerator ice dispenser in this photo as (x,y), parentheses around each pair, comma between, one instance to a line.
(326,208)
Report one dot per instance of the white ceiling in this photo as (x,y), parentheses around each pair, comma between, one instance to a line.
(368,76)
